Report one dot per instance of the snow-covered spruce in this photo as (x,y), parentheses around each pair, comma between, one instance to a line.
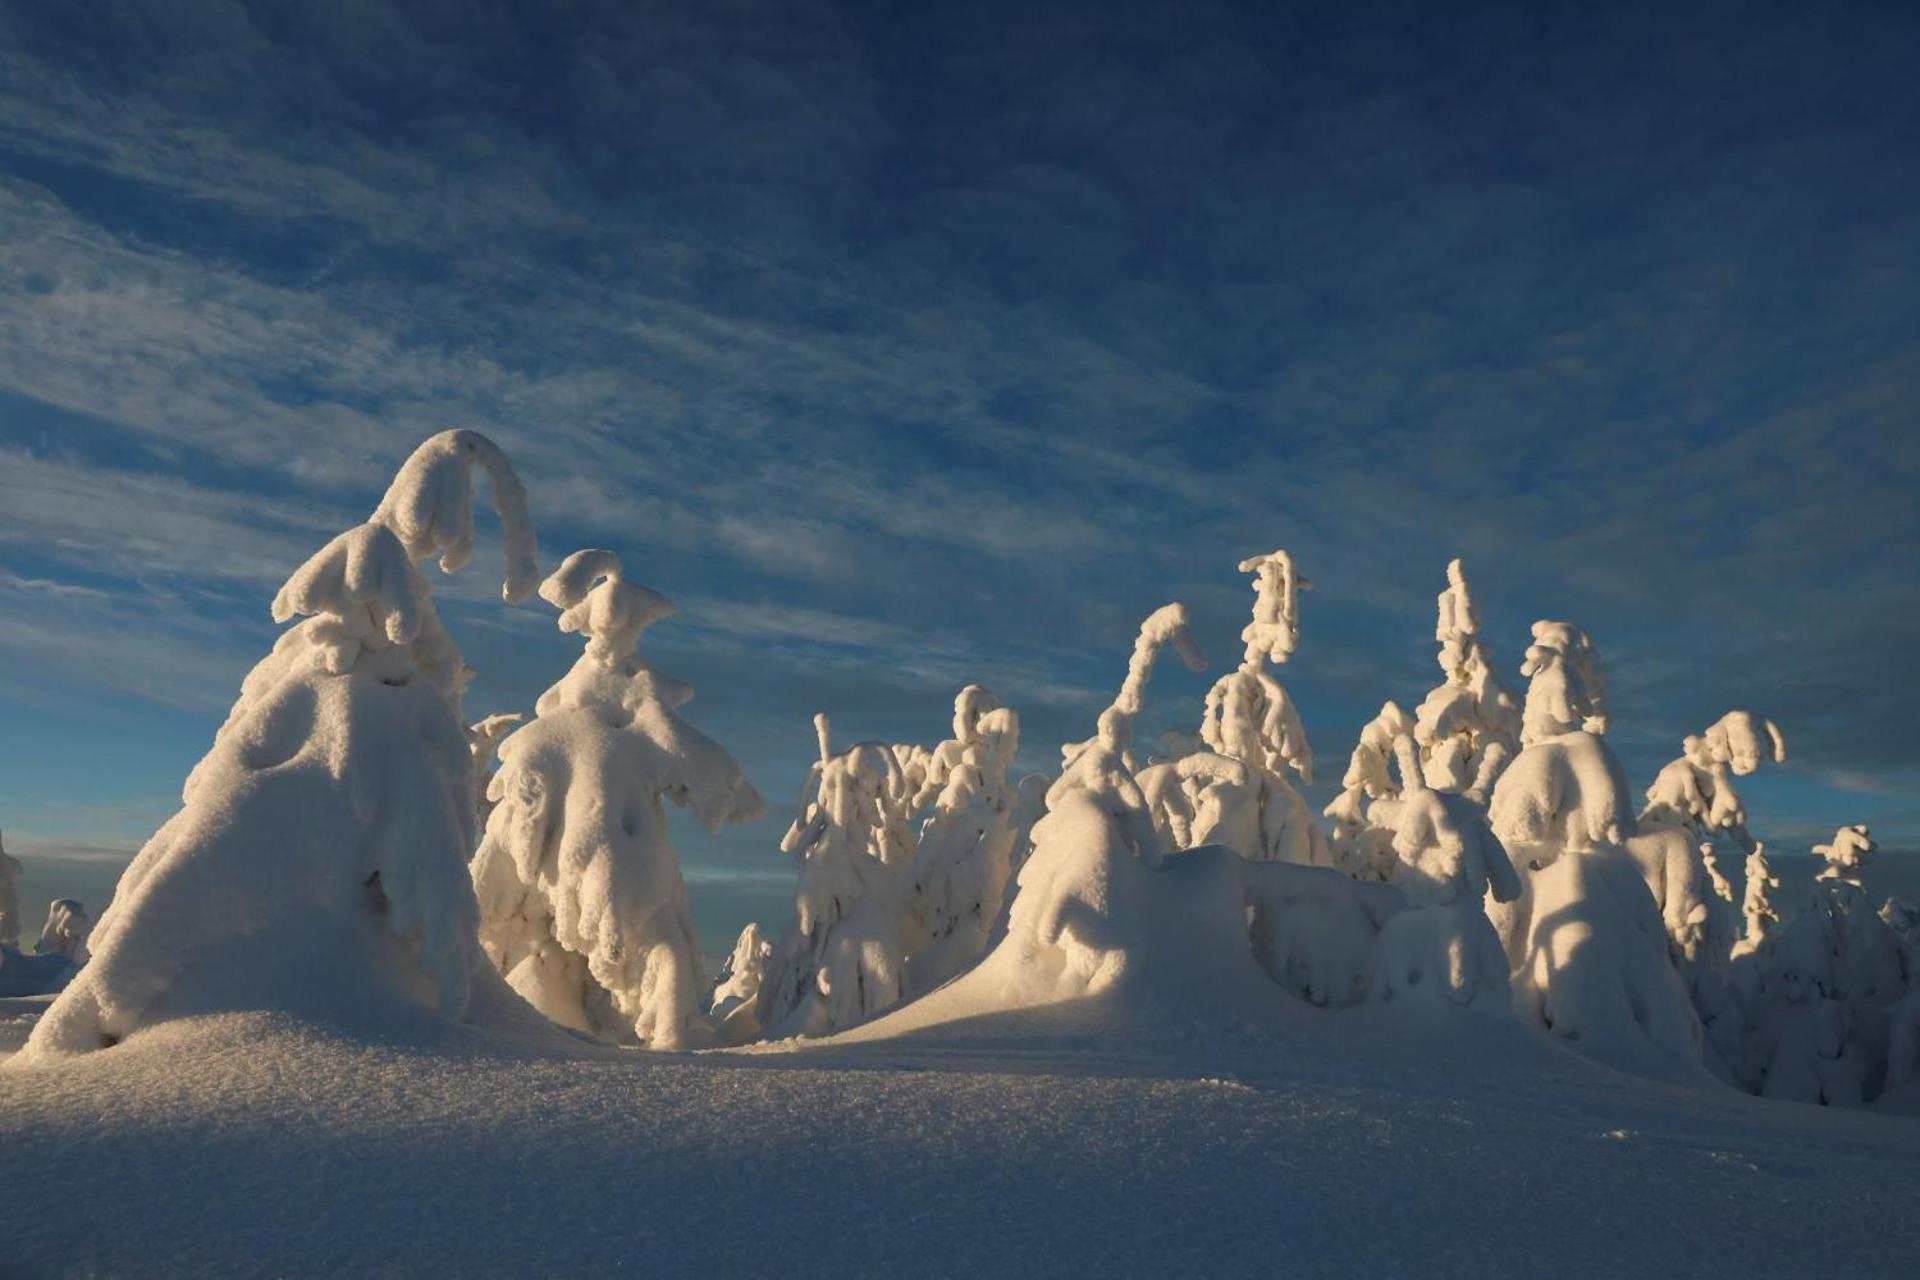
(1466,731)
(843,958)
(1103,766)
(1468,726)
(66,931)
(483,739)
(1249,719)
(582,905)
(736,996)
(1108,915)
(1691,805)
(1586,937)
(1828,997)
(10,870)
(964,855)
(319,856)
(1592,968)
(1696,791)
(1846,853)
(1756,901)
(1565,691)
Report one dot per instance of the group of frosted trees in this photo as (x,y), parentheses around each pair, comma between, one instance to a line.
(1482,850)
(1509,866)
(63,938)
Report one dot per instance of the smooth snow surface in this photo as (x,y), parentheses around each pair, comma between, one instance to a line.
(1334,1143)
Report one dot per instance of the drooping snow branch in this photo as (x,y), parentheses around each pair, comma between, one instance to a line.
(429,507)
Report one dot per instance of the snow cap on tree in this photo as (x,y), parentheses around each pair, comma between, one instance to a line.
(1566,691)
(596,601)
(963,860)
(1274,632)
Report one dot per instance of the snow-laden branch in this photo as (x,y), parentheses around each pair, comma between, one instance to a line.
(429,507)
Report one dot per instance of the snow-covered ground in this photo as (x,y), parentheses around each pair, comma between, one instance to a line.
(265,1144)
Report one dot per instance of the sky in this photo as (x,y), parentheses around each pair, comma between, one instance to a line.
(912,344)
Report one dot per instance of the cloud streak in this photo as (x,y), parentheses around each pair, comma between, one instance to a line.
(907,354)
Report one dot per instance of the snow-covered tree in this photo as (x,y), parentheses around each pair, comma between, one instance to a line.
(1362,848)
(844,957)
(1756,901)
(1902,915)
(1468,726)
(1588,936)
(736,997)
(320,851)
(1103,765)
(1466,731)
(1696,791)
(66,931)
(10,870)
(483,739)
(1846,854)
(1444,851)
(964,856)
(1565,691)
(583,908)
(1828,1000)
(1248,716)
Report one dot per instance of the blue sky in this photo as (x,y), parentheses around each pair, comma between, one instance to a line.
(912,344)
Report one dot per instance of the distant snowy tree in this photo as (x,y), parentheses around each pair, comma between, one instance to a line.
(736,998)
(322,843)
(964,855)
(10,871)
(1468,727)
(1756,903)
(1846,854)
(844,957)
(583,908)
(66,931)
(1831,989)
(1691,805)
(483,739)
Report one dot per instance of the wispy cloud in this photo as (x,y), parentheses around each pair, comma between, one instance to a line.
(908,362)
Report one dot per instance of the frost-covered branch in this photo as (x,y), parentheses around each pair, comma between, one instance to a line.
(429,507)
